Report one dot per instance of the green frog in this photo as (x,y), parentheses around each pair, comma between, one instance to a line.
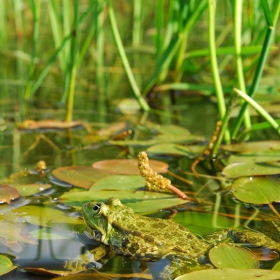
(151,239)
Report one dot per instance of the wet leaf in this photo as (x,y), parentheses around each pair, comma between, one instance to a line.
(227,256)
(257,190)
(8,193)
(129,189)
(176,150)
(31,124)
(31,189)
(46,217)
(253,146)
(13,235)
(128,166)
(241,169)
(46,234)
(6,265)
(80,176)
(231,274)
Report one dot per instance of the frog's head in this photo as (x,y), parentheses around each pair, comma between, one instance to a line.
(99,216)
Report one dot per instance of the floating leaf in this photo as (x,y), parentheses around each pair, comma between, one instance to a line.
(240,169)
(31,189)
(227,256)
(129,189)
(128,166)
(257,190)
(48,272)
(256,156)
(30,124)
(231,274)
(253,146)
(6,265)
(8,193)
(202,223)
(176,150)
(80,176)
(47,234)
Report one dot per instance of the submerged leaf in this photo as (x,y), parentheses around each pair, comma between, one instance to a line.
(257,190)
(8,193)
(227,256)
(13,235)
(80,176)
(128,166)
(47,234)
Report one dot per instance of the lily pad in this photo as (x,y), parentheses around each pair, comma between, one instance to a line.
(231,274)
(227,256)
(176,150)
(6,265)
(202,223)
(257,190)
(31,189)
(129,189)
(253,146)
(80,176)
(256,156)
(8,193)
(128,166)
(240,169)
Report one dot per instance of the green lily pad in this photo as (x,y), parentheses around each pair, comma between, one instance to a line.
(202,223)
(6,265)
(31,189)
(231,274)
(129,189)
(227,256)
(176,150)
(80,176)
(241,169)
(257,190)
(256,156)
(253,146)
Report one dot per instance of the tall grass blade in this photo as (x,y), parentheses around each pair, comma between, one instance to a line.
(73,63)
(214,63)
(259,68)
(36,10)
(142,102)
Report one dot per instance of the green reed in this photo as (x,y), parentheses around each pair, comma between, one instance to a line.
(229,50)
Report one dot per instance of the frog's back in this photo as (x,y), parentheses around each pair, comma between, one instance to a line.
(153,238)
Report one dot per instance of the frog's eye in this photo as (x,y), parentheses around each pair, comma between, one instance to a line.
(96,208)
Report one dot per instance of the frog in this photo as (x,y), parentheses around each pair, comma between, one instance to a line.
(147,239)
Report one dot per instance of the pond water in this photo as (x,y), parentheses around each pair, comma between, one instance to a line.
(48,212)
